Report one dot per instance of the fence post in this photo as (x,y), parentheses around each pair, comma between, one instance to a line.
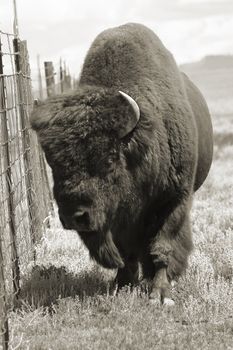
(46,188)
(9,187)
(49,77)
(61,76)
(39,78)
(68,80)
(4,329)
(19,48)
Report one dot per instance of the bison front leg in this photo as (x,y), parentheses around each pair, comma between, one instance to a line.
(169,251)
(155,281)
(129,274)
(161,288)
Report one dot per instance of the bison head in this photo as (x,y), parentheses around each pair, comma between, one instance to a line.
(87,140)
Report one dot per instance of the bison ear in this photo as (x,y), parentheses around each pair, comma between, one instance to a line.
(134,117)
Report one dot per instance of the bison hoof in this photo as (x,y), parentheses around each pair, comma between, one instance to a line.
(168,302)
(173,283)
(157,299)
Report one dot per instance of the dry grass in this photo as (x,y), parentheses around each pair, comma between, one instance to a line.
(83,310)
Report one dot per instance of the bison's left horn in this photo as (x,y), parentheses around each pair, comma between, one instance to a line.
(130,125)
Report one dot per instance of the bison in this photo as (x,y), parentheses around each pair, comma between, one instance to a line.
(127,150)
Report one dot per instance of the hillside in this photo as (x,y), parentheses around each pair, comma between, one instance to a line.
(214,77)
(211,62)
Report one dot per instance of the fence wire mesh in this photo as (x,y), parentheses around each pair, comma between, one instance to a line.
(25,198)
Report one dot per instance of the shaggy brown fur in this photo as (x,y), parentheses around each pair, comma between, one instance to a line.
(133,194)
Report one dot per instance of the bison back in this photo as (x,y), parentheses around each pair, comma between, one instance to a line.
(123,56)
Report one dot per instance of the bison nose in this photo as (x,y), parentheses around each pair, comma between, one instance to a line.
(81,219)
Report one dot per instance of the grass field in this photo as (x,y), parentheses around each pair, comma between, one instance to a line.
(67,302)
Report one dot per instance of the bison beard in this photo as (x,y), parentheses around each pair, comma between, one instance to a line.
(103,249)
(128,150)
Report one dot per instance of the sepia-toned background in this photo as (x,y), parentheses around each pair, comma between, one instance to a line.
(190,29)
(52,296)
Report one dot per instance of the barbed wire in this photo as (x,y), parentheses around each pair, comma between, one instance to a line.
(6,33)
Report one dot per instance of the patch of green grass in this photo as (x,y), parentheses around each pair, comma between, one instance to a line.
(68,302)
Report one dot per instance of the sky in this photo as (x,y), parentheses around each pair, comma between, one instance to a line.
(190,29)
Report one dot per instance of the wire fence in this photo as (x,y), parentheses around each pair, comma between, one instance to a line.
(25,197)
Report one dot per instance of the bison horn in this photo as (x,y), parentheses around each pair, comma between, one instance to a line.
(130,125)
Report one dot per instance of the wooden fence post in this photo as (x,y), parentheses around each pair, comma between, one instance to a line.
(9,182)
(39,79)
(19,49)
(61,76)
(46,186)
(4,329)
(49,78)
